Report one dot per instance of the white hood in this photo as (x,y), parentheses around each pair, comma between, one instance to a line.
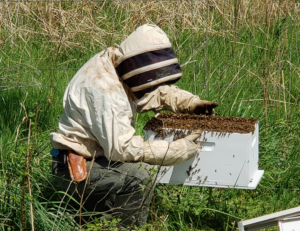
(148,60)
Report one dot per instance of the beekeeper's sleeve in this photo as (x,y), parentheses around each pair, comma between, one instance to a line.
(108,115)
(168,98)
(116,136)
(97,119)
(168,154)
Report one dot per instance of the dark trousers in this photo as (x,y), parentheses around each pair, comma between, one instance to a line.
(117,189)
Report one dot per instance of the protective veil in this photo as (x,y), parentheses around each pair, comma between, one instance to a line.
(101,99)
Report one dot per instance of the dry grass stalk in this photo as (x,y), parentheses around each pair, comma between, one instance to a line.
(82,195)
(28,160)
(83,21)
(97,25)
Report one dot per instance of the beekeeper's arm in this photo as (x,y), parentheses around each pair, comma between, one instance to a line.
(174,99)
(163,153)
(111,127)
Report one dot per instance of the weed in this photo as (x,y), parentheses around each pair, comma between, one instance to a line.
(242,55)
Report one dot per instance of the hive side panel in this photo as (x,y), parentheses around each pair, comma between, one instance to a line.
(222,161)
(254,152)
(164,175)
(226,164)
(149,135)
(165,172)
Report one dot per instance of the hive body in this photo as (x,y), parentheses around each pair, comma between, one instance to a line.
(225,160)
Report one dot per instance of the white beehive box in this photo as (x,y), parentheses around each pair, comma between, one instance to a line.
(224,161)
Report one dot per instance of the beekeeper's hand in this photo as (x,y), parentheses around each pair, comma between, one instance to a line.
(161,152)
(203,107)
(192,145)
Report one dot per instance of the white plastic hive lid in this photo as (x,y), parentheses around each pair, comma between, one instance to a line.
(224,161)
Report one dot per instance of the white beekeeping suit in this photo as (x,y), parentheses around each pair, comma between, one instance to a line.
(101,99)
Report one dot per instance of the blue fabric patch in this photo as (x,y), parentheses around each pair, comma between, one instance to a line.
(54,152)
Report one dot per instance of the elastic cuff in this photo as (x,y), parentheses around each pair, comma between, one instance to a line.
(192,148)
(193,103)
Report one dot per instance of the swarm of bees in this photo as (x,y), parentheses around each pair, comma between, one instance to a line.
(181,125)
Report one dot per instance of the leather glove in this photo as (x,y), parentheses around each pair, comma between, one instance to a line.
(192,146)
(203,107)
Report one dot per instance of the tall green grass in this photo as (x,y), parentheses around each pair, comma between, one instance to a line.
(244,56)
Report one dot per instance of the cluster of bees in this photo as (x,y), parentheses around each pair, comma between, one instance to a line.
(181,125)
(192,169)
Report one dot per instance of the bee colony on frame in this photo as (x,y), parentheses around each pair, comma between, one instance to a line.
(227,158)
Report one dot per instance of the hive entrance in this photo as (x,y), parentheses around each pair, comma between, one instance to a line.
(175,123)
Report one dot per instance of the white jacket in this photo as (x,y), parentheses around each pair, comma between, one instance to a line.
(99,110)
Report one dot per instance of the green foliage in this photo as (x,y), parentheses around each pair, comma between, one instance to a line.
(252,74)
(103,225)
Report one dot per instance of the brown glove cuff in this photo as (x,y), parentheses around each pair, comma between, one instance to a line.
(77,166)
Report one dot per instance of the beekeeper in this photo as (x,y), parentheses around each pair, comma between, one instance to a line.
(96,135)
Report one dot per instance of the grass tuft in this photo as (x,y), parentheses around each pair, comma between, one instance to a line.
(242,54)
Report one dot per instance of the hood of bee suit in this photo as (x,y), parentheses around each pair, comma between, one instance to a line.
(148,60)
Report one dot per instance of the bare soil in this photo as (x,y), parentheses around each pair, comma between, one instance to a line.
(205,123)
